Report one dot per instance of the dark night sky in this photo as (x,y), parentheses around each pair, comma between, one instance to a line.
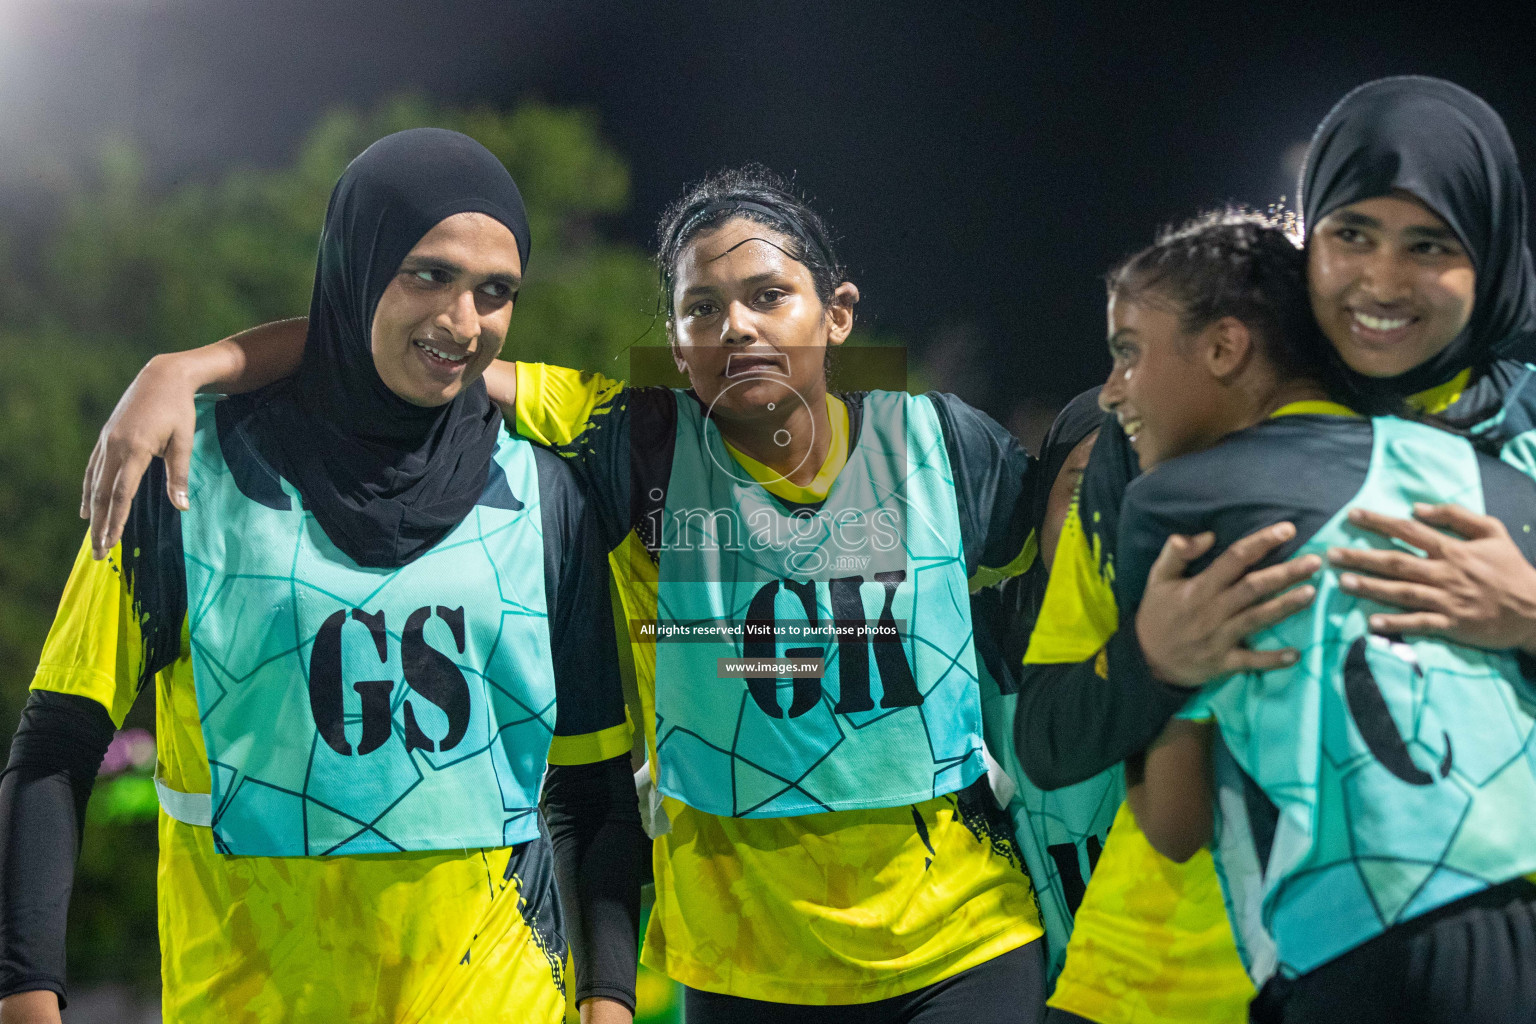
(983,163)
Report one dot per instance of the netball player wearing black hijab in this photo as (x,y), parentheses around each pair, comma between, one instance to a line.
(1421,277)
(1063,456)
(1448,260)
(368,639)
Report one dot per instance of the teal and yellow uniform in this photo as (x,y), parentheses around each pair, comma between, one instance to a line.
(788,908)
(1151,940)
(435,929)
(1379,778)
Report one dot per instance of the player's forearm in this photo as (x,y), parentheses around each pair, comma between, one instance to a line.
(37,1006)
(37,860)
(1073,723)
(242,362)
(53,762)
(501,385)
(261,355)
(594,825)
(1173,802)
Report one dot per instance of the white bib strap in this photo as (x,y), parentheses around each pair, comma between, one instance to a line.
(653,814)
(1003,786)
(187,808)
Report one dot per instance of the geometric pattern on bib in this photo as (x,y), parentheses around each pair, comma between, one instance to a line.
(1512,429)
(1401,771)
(349,710)
(1060,832)
(888,723)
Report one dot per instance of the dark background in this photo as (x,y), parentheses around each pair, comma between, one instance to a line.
(983,162)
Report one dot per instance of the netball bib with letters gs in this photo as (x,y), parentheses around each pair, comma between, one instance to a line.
(871,584)
(349,710)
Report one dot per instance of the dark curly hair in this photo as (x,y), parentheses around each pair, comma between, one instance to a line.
(1237,263)
(775,204)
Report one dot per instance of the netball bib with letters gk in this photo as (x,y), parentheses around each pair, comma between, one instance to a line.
(867,592)
(1393,775)
(349,710)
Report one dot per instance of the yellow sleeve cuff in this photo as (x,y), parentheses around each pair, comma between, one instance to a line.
(84,682)
(986,576)
(592,747)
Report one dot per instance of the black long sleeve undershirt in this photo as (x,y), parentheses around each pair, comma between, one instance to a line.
(54,759)
(1072,723)
(593,817)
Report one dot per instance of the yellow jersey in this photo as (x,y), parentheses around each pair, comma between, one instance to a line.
(1151,941)
(440,936)
(834,908)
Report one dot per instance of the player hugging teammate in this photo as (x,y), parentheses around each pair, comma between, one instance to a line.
(1252,653)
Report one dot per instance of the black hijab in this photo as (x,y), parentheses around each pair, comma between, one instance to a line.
(1451,150)
(1077,419)
(1017,602)
(384,478)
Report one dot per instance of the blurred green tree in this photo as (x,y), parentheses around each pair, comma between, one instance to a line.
(179,267)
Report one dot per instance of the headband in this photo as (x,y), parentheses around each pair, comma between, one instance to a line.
(784,222)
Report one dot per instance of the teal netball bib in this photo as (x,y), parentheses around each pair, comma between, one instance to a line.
(1389,776)
(811,661)
(1060,831)
(349,710)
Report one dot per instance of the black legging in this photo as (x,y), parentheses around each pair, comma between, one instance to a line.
(1008,989)
(1469,962)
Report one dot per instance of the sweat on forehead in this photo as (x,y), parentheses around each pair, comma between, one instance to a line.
(739,228)
(739,246)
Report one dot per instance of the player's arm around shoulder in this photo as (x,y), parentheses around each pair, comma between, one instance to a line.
(1190,626)
(551,405)
(1474,583)
(156,416)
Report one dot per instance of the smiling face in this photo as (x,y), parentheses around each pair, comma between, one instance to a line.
(444,315)
(1160,388)
(1391,285)
(748,327)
